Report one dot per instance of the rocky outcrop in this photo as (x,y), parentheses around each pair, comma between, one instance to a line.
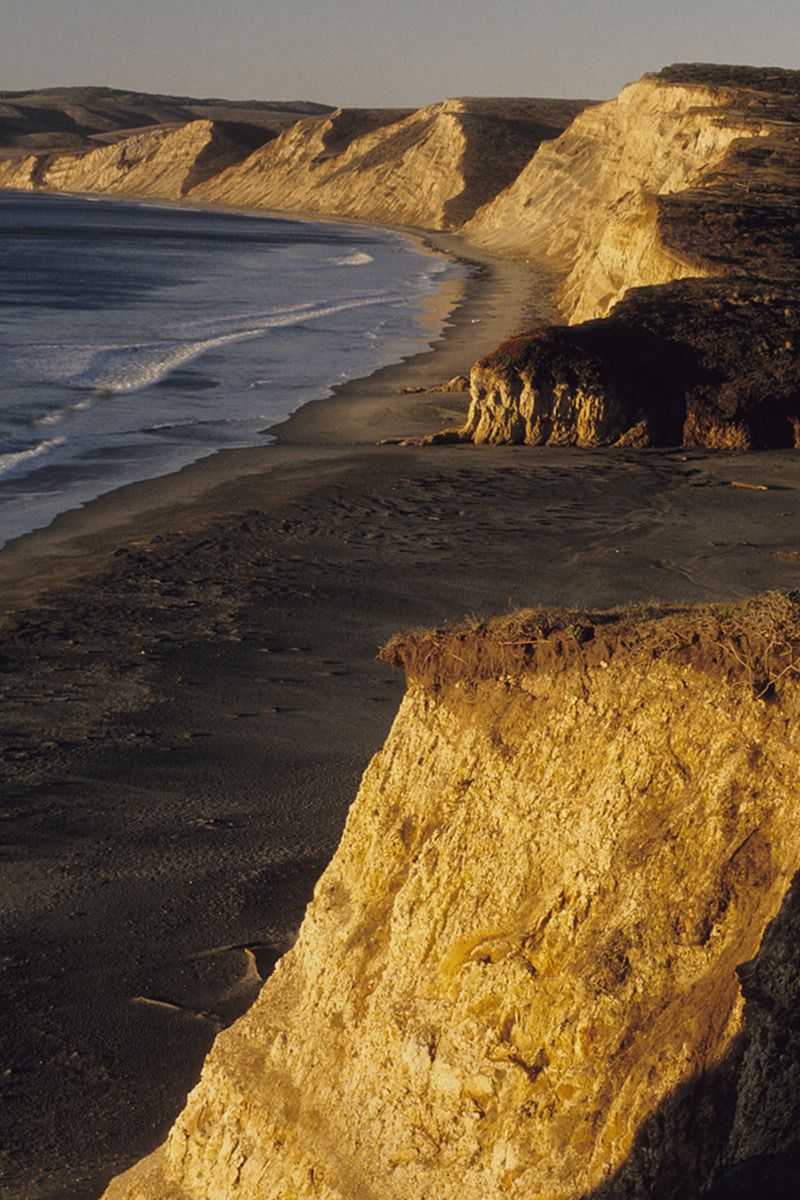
(699,363)
(555,954)
(648,190)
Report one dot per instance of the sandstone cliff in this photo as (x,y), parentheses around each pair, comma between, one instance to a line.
(691,173)
(541,962)
(161,162)
(697,363)
(432,168)
(587,205)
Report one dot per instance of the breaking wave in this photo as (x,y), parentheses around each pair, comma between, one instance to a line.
(15,458)
(114,369)
(357,259)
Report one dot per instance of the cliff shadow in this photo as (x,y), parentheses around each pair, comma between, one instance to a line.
(733,1133)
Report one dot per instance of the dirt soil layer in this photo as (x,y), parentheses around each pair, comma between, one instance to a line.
(191,693)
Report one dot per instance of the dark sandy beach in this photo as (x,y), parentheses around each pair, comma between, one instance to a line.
(190,694)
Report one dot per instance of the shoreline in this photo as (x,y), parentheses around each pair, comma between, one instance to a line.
(434,312)
(60,551)
(191,704)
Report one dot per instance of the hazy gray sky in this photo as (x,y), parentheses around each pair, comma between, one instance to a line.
(374,52)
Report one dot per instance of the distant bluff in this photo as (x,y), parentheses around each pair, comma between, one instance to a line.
(670,219)
(83,118)
(432,168)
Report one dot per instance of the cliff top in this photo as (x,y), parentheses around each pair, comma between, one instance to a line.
(76,118)
(82,117)
(768,79)
(759,637)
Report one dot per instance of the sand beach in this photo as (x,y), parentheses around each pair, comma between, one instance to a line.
(191,693)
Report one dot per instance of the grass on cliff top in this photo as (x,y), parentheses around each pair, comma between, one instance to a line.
(757,639)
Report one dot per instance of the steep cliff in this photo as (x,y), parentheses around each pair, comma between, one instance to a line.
(587,205)
(691,173)
(698,362)
(163,162)
(432,168)
(541,962)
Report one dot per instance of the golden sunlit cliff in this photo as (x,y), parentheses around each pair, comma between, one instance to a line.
(432,168)
(672,218)
(163,162)
(587,205)
(541,962)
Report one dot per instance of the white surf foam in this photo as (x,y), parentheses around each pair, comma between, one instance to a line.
(106,370)
(57,414)
(16,458)
(357,259)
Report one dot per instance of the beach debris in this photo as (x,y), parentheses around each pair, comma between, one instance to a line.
(753,487)
(459,383)
(209,1018)
(410,391)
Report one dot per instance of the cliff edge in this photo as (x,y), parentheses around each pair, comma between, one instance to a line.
(671,217)
(556,951)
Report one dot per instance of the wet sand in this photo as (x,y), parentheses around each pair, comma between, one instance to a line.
(190,694)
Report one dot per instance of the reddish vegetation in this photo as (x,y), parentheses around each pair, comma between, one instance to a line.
(703,362)
(759,637)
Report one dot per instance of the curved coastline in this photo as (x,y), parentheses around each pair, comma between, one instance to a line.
(106,824)
(406,264)
(194,696)
(473,314)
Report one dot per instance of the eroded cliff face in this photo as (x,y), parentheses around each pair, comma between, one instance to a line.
(432,168)
(522,972)
(160,162)
(677,178)
(586,206)
(698,362)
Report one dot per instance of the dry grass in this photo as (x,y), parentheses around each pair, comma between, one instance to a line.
(758,639)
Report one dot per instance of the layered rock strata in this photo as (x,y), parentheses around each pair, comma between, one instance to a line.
(699,363)
(432,168)
(555,954)
(162,162)
(692,173)
(588,204)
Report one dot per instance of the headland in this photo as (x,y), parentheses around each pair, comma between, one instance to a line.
(193,674)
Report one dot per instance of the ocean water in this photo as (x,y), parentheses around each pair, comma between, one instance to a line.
(136,338)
